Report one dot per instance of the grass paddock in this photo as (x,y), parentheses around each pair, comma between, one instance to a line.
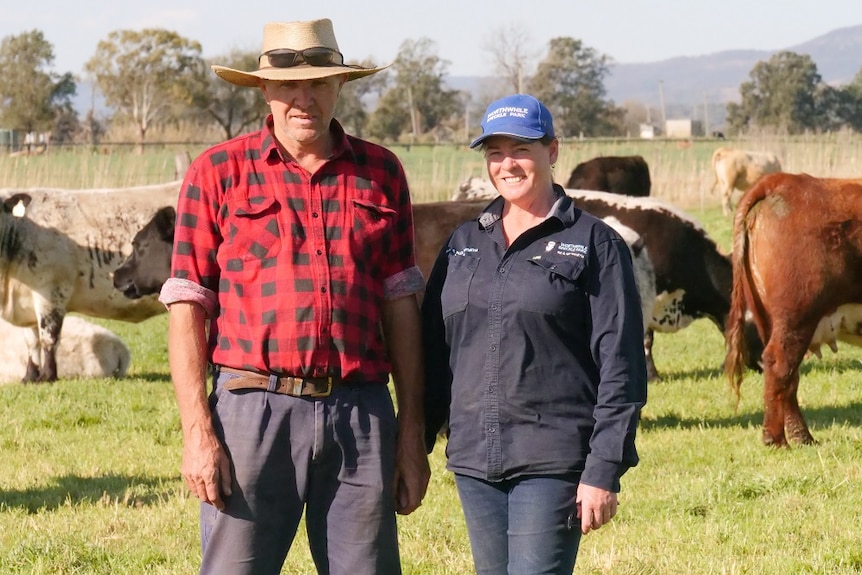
(89,473)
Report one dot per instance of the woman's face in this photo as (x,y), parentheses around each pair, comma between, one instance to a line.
(520,169)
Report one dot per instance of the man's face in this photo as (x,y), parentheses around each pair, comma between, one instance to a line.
(302,109)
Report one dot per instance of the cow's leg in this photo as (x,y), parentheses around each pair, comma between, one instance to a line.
(50,325)
(726,193)
(652,372)
(781,359)
(794,422)
(34,357)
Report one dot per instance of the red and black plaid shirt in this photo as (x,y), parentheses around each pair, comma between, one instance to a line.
(293,267)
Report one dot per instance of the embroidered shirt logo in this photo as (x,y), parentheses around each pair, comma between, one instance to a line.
(576,250)
(550,245)
(462,252)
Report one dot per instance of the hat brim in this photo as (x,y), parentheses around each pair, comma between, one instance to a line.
(521,135)
(301,72)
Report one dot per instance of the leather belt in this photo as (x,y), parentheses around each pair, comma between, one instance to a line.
(284,384)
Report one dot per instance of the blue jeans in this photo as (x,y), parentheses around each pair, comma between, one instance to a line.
(331,457)
(520,526)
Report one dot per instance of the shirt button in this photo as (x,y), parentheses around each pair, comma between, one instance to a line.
(493,348)
(314,215)
(320,252)
(323,290)
(492,429)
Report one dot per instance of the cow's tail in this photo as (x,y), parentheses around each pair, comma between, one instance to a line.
(743,297)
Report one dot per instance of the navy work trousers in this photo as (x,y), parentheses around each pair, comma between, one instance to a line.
(331,457)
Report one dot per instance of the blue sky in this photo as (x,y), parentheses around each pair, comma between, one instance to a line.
(626,30)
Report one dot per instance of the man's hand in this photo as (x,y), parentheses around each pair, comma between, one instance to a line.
(412,472)
(206,468)
(595,506)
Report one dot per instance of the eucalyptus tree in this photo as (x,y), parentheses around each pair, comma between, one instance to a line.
(352,108)
(416,95)
(509,48)
(146,76)
(781,95)
(31,96)
(235,109)
(570,81)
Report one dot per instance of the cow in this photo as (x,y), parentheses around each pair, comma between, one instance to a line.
(148,267)
(692,276)
(86,350)
(797,271)
(740,169)
(58,256)
(626,175)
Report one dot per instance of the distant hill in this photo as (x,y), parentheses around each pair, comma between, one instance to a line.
(687,83)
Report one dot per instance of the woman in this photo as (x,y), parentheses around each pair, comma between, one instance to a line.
(534,350)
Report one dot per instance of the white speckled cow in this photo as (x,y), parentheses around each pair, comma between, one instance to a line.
(60,257)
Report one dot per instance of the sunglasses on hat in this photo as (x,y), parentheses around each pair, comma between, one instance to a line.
(287,58)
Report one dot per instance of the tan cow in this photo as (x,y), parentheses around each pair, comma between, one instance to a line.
(740,169)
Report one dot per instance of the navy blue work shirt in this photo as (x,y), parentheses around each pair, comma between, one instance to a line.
(534,354)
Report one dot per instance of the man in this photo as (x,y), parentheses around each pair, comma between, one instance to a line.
(293,276)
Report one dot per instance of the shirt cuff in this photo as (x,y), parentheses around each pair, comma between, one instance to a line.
(407,282)
(176,290)
(600,473)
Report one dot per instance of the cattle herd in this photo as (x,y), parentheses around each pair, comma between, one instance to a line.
(792,283)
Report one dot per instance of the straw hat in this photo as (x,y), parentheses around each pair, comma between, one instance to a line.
(295,37)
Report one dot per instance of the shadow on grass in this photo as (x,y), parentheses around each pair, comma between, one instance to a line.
(817,417)
(150,376)
(809,366)
(107,490)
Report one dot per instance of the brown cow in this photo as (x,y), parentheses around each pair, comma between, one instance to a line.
(740,169)
(626,175)
(797,268)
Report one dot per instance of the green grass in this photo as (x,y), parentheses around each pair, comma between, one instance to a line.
(89,479)
(89,469)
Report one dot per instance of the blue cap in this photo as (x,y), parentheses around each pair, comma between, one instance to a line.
(518,116)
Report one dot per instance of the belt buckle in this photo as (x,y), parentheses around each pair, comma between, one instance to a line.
(328,389)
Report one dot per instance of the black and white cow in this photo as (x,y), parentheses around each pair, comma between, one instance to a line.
(58,251)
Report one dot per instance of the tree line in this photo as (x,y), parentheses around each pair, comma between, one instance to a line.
(153,77)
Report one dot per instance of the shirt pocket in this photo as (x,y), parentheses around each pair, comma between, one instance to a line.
(253,233)
(456,289)
(372,229)
(553,287)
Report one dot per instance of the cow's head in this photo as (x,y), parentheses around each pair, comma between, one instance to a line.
(149,264)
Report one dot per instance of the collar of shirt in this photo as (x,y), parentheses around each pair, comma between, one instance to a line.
(564,210)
